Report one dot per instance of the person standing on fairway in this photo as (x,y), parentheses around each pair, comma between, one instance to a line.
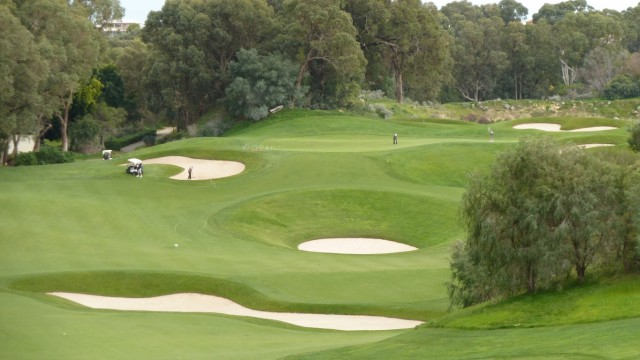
(190,171)
(490,135)
(395,139)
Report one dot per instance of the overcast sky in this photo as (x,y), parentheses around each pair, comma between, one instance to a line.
(137,10)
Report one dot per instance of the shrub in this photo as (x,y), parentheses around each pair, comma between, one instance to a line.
(634,140)
(622,87)
(46,155)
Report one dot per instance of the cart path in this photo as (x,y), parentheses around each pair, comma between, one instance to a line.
(159,134)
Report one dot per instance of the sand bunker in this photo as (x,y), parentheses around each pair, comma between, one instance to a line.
(360,246)
(202,169)
(199,303)
(589,146)
(556,127)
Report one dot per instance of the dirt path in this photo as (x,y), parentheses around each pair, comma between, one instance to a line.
(159,134)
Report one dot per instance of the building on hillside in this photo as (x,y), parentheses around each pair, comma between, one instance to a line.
(118,27)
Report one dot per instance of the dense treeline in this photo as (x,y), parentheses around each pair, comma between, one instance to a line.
(64,77)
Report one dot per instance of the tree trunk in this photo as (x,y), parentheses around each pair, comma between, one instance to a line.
(64,120)
(580,271)
(531,279)
(399,87)
(38,138)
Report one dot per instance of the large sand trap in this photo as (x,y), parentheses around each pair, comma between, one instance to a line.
(202,169)
(199,303)
(556,127)
(360,246)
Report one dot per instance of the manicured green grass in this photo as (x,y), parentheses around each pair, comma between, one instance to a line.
(88,227)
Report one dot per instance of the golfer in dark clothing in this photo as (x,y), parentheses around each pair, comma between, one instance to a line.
(395,139)
(190,171)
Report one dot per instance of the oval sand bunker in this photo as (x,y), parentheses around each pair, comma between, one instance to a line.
(357,246)
(202,169)
(556,127)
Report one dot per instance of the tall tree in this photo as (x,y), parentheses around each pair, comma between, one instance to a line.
(74,48)
(511,10)
(101,12)
(22,70)
(478,57)
(193,43)
(417,46)
(324,33)
(260,83)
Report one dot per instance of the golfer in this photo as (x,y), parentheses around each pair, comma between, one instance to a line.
(190,171)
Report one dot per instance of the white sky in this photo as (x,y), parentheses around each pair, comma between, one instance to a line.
(137,10)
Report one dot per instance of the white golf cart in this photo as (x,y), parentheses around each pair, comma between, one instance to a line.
(134,167)
(106,154)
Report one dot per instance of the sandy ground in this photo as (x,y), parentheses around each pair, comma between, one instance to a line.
(556,127)
(199,303)
(355,246)
(202,169)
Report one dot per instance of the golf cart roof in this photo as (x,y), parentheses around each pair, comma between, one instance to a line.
(135,161)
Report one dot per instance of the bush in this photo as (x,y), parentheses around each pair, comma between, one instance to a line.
(214,128)
(622,87)
(634,140)
(46,155)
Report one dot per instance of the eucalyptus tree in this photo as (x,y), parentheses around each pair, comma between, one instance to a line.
(320,34)
(22,70)
(192,44)
(132,65)
(260,83)
(101,12)
(478,57)
(512,11)
(417,46)
(631,18)
(72,48)
(553,13)
(579,33)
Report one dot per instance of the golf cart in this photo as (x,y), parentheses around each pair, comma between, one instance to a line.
(106,154)
(134,167)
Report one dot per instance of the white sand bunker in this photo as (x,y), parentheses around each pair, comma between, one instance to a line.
(202,169)
(359,246)
(556,127)
(589,146)
(199,303)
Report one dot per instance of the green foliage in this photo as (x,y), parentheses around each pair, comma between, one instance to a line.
(622,87)
(260,83)
(46,155)
(634,139)
(543,210)
(84,130)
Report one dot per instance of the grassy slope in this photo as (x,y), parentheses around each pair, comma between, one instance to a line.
(88,227)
